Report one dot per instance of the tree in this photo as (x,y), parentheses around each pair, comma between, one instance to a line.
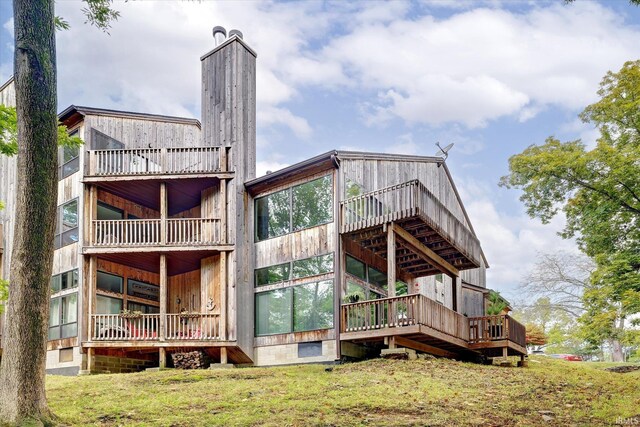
(22,373)
(497,303)
(535,335)
(598,190)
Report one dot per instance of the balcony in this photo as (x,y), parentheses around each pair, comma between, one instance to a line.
(145,235)
(423,221)
(149,163)
(418,322)
(147,328)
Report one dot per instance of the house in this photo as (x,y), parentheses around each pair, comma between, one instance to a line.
(167,242)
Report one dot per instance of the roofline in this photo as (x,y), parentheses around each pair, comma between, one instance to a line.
(387,156)
(67,112)
(228,42)
(293,168)
(7,83)
(475,287)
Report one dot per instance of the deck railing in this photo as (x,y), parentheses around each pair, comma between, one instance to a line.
(407,200)
(1,238)
(154,161)
(149,232)
(193,326)
(495,328)
(398,312)
(146,327)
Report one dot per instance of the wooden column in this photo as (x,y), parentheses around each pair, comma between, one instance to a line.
(223,355)
(223,296)
(163,213)
(163,295)
(391,261)
(90,359)
(163,358)
(91,306)
(223,209)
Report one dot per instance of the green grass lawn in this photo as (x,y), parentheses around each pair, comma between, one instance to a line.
(435,392)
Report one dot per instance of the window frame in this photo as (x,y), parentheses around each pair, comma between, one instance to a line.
(62,163)
(59,295)
(59,232)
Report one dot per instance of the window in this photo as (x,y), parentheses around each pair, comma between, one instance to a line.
(109,282)
(108,305)
(68,160)
(65,355)
(312,266)
(356,268)
(310,349)
(108,212)
(142,308)
(296,208)
(295,309)
(297,269)
(439,285)
(63,316)
(372,283)
(274,274)
(67,224)
(139,289)
(100,141)
(67,280)
(377,278)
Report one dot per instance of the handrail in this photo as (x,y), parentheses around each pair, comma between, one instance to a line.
(148,232)
(406,200)
(494,328)
(199,326)
(401,311)
(146,327)
(153,161)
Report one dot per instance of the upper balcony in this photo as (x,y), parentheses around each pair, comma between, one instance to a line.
(157,163)
(422,223)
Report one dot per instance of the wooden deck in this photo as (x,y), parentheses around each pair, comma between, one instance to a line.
(412,208)
(149,162)
(417,322)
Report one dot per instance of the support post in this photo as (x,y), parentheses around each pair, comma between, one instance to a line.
(223,355)
(163,295)
(223,296)
(163,213)
(90,360)
(91,309)
(391,261)
(163,358)
(223,209)
(505,353)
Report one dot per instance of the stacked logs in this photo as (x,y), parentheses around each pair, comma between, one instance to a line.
(190,360)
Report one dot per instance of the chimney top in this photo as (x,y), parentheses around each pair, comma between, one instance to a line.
(235,33)
(219,35)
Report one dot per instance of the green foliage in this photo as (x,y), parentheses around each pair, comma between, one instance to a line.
(100,14)
(4,293)
(496,303)
(60,23)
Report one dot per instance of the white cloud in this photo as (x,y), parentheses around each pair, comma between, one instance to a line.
(272,115)
(263,167)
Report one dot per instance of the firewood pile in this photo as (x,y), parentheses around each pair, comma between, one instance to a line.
(623,369)
(190,360)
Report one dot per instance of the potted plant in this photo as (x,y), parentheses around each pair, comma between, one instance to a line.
(128,314)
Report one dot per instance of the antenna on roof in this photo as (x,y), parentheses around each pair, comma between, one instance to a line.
(443,152)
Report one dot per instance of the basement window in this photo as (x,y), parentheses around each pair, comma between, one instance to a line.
(310,349)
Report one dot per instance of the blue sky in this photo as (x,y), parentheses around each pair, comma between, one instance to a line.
(490,76)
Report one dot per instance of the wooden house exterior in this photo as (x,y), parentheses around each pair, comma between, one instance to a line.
(166,241)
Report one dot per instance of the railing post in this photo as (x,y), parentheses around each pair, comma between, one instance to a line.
(163,213)
(163,160)
(163,296)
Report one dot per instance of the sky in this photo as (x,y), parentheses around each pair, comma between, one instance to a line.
(492,77)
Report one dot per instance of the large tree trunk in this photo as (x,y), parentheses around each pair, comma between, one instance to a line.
(22,374)
(616,351)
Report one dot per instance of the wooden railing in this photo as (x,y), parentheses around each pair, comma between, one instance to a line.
(495,328)
(154,161)
(1,238)
(398,312)
(115,327)
(193,231)
(193,327)
(407,200)
(149,232)
(146,327)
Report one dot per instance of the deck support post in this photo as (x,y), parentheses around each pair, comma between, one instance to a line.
(91,306)
(163,213)
(90,352)
(505,353)
(223,296)
(391,261)
(223,355)
(162,352)
(163,296)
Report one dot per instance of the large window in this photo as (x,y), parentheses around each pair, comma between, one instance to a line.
(109,282)
(297,269)
(108,305)
(296,208)
(63,306)
(67,224)
(68,160)
(299,308)
(115,293)
(366,283)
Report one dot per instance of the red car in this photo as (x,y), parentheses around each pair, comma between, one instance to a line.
(569,357)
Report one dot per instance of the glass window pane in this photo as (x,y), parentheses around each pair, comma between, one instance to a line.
(55,283)
(355,267)
(273,312)
(142,308)
(272,215)
(109,282)
(69,308)
(313,306)
(109,212)
(143,290)
(69,153)
(377,278)
(69,279)
(108,305)
(54,312)
(273,274)
(69,237)
(69,330)
(71,167)
(54,333)
(355,292)
(70,215)
(313,266)
(312,203)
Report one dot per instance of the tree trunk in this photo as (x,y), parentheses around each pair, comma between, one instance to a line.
(616,351)
(22,374)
